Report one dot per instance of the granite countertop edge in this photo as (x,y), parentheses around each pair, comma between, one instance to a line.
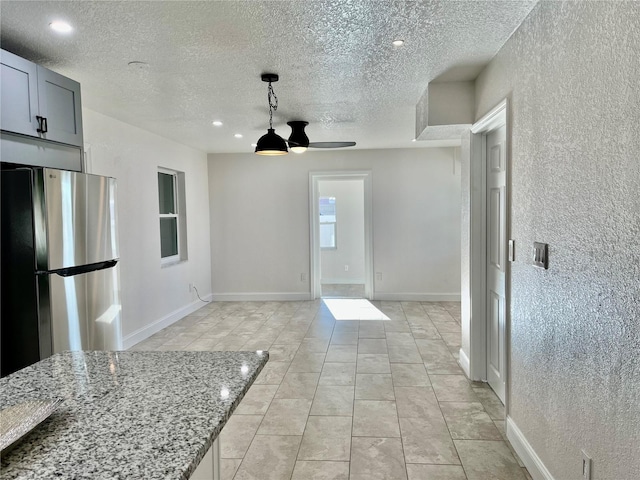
(216,433)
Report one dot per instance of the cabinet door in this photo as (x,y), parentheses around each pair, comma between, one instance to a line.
(59,102)
(19,94)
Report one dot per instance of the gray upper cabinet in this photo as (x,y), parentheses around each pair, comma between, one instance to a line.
(59,103)
(19,87)
(38,102)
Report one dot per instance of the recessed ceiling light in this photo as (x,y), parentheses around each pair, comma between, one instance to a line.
(217,123)
(254,145)
(414,140)
(398,42)
(60,26)
(238,135)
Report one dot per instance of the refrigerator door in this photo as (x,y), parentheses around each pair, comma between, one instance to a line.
(19,322)
(75,219)
(85,310)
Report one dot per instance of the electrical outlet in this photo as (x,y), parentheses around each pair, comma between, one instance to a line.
(303,277)
(191,287)
(586,466)
(346,268)
(379,276)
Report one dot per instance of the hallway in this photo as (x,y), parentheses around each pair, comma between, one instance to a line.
(351,399)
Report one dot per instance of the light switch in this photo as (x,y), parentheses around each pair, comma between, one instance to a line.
(541,255)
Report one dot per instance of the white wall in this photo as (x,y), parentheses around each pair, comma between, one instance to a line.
(152,296)
(260,222)
(349,195)
(571,73)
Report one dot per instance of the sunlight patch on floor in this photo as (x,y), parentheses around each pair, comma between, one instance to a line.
(353,309)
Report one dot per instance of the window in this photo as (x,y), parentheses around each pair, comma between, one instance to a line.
(171,209)
(328,223)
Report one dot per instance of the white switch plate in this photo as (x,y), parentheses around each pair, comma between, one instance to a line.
(541,255)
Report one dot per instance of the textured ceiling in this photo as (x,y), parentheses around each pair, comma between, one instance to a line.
(337,67)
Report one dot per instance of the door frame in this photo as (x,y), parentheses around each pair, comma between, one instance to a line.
(497,117)
(314,225)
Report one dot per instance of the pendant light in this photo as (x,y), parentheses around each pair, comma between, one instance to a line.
(298,140)
(271,143)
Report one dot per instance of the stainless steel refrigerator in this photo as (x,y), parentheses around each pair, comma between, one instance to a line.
(60,275)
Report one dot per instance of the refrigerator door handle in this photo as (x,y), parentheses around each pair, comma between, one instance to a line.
(71,271)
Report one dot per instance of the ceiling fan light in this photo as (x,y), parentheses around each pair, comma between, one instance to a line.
(271,144)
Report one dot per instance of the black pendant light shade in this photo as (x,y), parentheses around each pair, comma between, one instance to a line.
(298,140)
(271,144)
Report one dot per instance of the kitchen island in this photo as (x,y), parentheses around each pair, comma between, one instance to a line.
(138,415)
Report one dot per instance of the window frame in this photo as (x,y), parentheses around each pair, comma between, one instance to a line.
(171,259)
(334,223)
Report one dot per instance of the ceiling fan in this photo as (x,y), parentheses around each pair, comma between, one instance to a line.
(298,142)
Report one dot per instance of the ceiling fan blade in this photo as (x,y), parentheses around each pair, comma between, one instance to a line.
(331,144)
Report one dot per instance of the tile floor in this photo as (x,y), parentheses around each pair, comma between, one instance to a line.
(351,399)
(350,290)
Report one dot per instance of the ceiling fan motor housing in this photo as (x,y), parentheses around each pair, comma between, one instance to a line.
(298,138)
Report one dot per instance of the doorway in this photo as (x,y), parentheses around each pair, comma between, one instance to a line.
(490,295)
(340,219)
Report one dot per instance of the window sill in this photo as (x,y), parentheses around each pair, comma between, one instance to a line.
(171,263)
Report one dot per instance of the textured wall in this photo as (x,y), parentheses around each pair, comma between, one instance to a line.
(572,72)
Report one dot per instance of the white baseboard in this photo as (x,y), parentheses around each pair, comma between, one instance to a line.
(527,454)
(148,330)
(464,362)
(261,297)
(417,297)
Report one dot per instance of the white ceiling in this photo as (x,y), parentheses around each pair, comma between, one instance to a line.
(337,67)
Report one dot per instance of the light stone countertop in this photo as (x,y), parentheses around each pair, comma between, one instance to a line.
(138,415)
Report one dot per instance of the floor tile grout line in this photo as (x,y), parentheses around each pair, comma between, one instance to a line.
(310,331)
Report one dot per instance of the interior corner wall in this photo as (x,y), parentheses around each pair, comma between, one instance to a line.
(349,251)
(571,72)
(152,296)
(260,245)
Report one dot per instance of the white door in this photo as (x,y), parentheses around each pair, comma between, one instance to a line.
(496,259)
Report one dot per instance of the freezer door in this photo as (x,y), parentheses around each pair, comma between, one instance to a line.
(75,219)
(85,310)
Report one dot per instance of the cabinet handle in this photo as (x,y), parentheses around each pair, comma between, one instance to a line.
(42,124)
